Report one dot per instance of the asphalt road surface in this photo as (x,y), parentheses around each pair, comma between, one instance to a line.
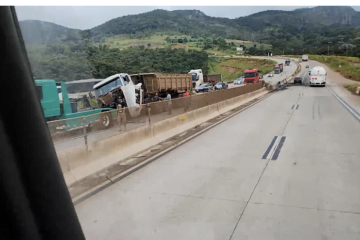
(226,184)
(97,136)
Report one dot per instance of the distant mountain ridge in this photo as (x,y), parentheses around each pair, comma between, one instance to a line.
(38,32)
(195,22)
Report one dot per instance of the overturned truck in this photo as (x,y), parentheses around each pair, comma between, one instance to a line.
(110,89)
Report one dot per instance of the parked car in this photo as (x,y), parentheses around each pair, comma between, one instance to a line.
(297,80)
(239,81)
(221,85)
(271,74)
(206,87)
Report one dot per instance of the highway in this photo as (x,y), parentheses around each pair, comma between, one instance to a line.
(96,136)
(285,168)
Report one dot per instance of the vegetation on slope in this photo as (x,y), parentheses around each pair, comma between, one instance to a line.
(59,62)
(352,87)
(232,68)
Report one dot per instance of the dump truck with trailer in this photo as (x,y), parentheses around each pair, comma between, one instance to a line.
(212,78)
(137,89)
(278,68)
(162,83)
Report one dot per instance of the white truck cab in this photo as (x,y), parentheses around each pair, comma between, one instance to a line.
(121,81)
(318,76)
(304,58)
(197,77)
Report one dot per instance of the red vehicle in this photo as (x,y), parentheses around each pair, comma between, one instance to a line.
(251,76)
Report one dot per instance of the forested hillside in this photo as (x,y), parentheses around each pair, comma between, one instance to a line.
(154,37)
(102,61)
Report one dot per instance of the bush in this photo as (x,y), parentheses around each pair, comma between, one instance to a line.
(352,87)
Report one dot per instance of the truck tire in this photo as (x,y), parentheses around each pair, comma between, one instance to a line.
(106,119)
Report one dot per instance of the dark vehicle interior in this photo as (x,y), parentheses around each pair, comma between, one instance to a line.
(35,202)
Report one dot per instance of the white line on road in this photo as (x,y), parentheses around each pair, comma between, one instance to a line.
(271,153)
(345,104)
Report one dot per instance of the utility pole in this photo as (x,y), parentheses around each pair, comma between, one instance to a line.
(328,47)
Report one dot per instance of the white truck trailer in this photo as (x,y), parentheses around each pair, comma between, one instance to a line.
(318,76)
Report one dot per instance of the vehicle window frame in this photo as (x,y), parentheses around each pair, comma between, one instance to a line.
(40,93)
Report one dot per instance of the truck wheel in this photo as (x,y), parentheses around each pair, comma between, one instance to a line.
(106,119)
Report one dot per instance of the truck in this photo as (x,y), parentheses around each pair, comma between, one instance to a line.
(162,83)
(251,76)
(212,78)
(139,88)
(199,78)
(287,62)
(61,108)
(318,76)
(108,91)
(278,68)
(304,58)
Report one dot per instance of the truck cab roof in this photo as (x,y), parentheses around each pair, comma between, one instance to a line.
(109,79)
(195,71)
(44,81)
(251,70)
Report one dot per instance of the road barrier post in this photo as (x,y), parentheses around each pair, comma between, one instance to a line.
(84,132)
(148,111)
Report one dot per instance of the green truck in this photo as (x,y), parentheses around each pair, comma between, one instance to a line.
(54,109)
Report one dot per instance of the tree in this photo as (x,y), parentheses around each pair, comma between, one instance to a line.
(347,46)
(148,45)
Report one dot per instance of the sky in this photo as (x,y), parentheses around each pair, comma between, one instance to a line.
(81,17)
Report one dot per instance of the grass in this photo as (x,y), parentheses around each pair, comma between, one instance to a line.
(348,67)
(232,68)
(352,87)
(156,41)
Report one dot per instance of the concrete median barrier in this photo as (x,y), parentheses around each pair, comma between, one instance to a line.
(272,87)
(171,126)
(80,162)
(63,160)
